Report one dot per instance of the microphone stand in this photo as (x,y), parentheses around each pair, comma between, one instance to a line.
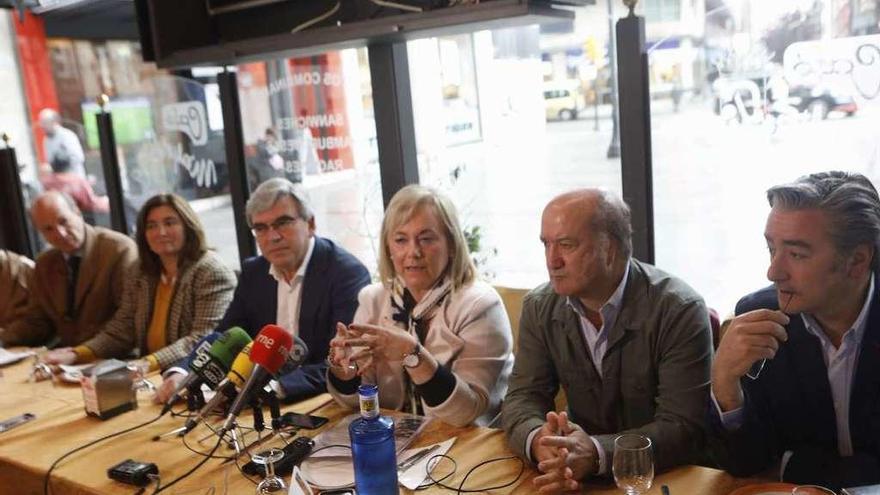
(259,424)
(195,400)
(175,432)
(236,444)
(271,400)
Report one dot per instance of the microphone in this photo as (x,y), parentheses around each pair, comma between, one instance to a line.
(210,361)
(298,355)
(242,367)
(201,353)
(222,354)
(240,371)
(271,349)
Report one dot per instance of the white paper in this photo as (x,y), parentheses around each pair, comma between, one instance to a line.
(416,475)
(71,373)
(406,428)
(9,357)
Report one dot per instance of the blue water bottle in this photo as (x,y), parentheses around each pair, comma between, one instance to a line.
(372,447)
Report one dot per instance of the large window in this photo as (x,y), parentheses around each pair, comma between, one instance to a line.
(757,94)
(507,119)
(663,10)
(81,71)
(172,141)
(311,120)
(168,131)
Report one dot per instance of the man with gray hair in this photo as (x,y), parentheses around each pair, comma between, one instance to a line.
(301,282)
(799,386)
(77,284)
(60,143)
(629,344)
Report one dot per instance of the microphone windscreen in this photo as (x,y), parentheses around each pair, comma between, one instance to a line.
(299,353)
(242,367)
(200,351)
(229,345)
(271,348)
(213,366)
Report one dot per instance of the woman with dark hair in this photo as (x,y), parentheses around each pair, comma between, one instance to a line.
(177,293)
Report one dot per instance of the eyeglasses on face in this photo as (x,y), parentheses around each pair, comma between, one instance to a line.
(283,225)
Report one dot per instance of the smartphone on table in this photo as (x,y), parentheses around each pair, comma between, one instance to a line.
(304,421)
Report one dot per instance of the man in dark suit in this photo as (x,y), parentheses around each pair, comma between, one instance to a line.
(302,282)
(800,387)
(630,345)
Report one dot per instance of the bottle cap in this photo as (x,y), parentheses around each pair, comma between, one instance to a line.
(369,399)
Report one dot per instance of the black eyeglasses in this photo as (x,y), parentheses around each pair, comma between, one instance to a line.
(282,225)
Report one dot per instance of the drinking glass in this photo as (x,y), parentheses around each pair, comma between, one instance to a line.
(811,490)
(139,369)
(40,370)
(272,483)
(633,464)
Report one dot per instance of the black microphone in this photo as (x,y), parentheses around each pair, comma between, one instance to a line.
(200,354)
(298,355)
(241,369)
(272,348)
(211,361)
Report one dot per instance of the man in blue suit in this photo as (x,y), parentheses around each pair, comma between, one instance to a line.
(302,282)
(800,388)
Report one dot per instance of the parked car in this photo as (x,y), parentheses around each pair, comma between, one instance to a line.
(817,102)
(563,101)
(751,98)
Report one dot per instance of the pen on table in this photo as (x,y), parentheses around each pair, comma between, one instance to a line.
(664,489)
(418,456)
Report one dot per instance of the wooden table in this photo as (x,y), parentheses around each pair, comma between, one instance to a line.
(27,451)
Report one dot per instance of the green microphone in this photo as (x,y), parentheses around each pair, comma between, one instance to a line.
(219,358)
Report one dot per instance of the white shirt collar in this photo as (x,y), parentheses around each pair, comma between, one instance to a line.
(611,306)
(858,327)
(78,254)
(301,271)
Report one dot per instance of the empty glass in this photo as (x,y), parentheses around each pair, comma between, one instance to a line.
(811,490)
(139,369)
(633,464)
(40,371)
(272,483)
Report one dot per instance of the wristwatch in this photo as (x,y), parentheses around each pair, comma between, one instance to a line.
(414,358)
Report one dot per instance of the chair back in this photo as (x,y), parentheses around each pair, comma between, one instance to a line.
(513,302)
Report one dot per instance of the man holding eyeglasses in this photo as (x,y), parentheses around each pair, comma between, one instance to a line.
(301,282)
(77,284)
(796,378)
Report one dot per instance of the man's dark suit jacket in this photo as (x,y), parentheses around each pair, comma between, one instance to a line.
(789,407)
(329,295)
